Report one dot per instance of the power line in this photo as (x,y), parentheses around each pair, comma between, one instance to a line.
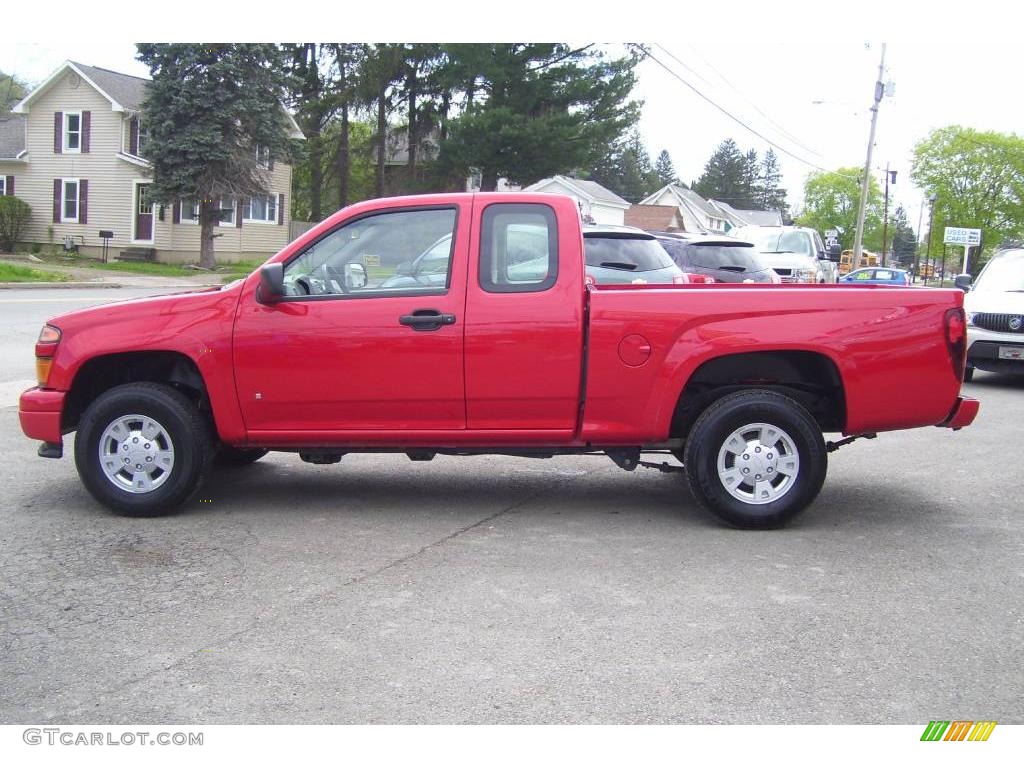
(742,95)
(735,119)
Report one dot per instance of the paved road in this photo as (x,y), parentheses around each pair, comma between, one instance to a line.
(22,314)
(509,590)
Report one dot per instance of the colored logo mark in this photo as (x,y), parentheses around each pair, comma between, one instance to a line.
(958,730)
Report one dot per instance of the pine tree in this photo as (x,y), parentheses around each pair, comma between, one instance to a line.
(772,197)
(664,168)
(208,108)
(536,109)
(904,241)
(727,176)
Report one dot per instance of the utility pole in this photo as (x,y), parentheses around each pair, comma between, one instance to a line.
(858,238)
(917,243)
(928,247)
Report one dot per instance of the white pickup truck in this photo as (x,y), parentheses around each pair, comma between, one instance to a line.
(798,254)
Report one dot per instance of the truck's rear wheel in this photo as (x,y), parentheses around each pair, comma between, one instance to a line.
(142,449)
(755,459)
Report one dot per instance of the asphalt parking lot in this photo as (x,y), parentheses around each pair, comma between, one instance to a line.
(488,590)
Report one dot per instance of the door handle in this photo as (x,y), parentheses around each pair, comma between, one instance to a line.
(426,319)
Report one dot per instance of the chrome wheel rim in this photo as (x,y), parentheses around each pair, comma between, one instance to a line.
(758,463)
(136,453)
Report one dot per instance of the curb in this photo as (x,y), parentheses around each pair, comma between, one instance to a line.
(5,286)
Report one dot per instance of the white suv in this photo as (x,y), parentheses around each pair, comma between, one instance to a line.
(995,315)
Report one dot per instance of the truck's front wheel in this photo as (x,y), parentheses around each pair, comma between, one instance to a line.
(142,449)
(755,459)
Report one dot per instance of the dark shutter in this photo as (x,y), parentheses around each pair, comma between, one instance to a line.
(86,124)
(176,212)
(270,164)
(58,132)
(83,202)
(58,187)
(133,142)
(9,187)
(280,209)
(238,212)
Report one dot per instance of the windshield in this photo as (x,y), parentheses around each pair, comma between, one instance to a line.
(1004,273)
(777,241)
(628,253)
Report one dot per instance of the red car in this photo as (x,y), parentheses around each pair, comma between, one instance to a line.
(322,352)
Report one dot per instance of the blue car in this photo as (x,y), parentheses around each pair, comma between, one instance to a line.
(877,276)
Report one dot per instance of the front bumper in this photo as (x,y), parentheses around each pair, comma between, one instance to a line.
(963,413)
(39,411)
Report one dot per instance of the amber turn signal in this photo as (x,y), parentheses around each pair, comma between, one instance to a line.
(43,365)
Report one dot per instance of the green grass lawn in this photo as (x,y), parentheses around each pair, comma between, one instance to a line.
(10,273)
(227,271)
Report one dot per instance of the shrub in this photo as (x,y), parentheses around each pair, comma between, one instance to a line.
(14,216)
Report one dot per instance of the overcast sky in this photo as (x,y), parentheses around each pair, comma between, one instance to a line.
(800,73)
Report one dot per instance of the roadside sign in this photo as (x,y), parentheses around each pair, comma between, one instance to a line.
(962,236)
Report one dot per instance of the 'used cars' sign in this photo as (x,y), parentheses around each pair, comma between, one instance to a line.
(962,236)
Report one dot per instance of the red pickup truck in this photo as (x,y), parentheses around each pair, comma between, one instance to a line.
(465,324)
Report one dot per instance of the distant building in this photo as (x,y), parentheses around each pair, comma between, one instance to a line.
(597,204)
(75,150)
(655,218)
(695,213)
(739,217)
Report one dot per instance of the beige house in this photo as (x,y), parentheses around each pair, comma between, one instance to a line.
(74,150)
(597,204)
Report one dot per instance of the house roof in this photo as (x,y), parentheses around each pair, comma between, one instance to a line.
(124,92)
(741,217)
(12,136)
(686,197)
(660,218)
(590,190)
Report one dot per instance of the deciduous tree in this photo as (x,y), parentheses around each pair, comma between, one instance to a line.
(977,178)
(830,202)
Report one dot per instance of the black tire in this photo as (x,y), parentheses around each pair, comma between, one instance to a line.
(717,425)
(182,424)
(969,373)
(238,457)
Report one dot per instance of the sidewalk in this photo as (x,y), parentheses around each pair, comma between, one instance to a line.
(84,277)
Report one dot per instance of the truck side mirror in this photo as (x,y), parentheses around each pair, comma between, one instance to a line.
(271,289)
(835,250)
(963,282)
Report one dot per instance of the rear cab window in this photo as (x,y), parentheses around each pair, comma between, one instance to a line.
(518,248)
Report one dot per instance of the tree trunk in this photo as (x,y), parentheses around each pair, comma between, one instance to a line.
(344,160)
(488,180)
(382,138)
(413,128)
(316,176)
(207,220)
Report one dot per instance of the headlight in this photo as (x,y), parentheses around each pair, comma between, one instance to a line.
(970,318)
(808,275)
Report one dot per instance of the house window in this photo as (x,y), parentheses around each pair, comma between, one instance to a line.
(3,186)
(227,210)
(69,208)
(190,211)
(261,209)
(72,132)
(262,156)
